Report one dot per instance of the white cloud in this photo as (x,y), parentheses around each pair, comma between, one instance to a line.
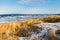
(31,11)
(31,2)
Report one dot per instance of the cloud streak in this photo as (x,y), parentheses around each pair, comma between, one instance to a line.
(31,11)
(32,2)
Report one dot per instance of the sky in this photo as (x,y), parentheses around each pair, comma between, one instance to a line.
(30,6)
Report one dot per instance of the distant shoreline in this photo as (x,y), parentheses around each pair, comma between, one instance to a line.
(26,14)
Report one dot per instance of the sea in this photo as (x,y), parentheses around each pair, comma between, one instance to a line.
(5,18)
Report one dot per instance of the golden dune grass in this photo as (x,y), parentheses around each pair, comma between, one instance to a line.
(19,28)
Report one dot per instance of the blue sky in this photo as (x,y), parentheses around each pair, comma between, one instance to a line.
(30,6)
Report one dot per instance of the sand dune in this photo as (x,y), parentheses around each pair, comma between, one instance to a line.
(21,29)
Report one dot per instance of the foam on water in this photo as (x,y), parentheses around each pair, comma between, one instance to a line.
(22,17)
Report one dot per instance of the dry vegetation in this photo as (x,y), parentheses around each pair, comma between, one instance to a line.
(13,30)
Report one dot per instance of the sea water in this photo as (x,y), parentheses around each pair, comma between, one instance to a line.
(22,17)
